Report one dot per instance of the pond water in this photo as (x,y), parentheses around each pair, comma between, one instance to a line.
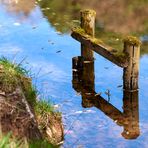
(38,33)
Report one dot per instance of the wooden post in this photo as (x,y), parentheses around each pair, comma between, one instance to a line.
(131,72)
(88,24)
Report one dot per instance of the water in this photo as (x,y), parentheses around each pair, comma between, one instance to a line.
(39,34)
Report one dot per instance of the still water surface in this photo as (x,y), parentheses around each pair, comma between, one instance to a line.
(39,34)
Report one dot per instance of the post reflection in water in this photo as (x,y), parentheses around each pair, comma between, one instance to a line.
(83,83)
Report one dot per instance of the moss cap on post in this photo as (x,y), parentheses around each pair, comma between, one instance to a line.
(88,11)
(132,41)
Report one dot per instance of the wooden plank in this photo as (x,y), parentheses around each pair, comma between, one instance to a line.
(99,47)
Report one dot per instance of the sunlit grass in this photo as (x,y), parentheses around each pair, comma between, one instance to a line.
(43,107)
(9,72)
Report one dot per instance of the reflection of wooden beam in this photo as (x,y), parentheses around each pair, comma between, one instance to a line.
(91,99)
(97,46)
(109,110)
(84,84)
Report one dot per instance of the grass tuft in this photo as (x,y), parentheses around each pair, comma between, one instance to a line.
(9,74)
(43,107)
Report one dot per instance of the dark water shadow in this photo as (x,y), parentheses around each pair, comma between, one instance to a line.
(84,83)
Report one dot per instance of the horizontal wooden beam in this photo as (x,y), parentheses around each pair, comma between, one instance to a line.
(118,58)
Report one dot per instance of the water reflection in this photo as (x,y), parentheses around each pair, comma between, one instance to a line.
(114,18)
(21,7)
(118,16)
(83,83)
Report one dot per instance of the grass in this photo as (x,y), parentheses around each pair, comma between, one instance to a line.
(8,142)
(14,74)
(9,72)
(42,107)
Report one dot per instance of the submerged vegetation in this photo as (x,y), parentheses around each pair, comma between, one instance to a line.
(12,76)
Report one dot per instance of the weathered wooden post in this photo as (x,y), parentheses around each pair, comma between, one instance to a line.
(131,72)
(88,24)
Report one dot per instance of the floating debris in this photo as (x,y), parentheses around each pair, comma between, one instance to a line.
(84,111)
(50,42)
(58,51)
(34,27)
(59,33)
(16,24)
(119,86)
(106,67)
(56,106)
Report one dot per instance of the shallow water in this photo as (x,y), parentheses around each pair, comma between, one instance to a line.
(47,49)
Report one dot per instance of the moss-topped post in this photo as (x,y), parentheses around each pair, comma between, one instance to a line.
(131,72)
(88,24)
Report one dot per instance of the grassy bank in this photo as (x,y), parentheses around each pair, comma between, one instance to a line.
(13,75)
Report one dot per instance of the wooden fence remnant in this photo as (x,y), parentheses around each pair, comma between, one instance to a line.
(128,118)
(127,59)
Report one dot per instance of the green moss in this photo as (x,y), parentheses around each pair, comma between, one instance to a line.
(132,40)
(79,30)
(82,32)
(96,41)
